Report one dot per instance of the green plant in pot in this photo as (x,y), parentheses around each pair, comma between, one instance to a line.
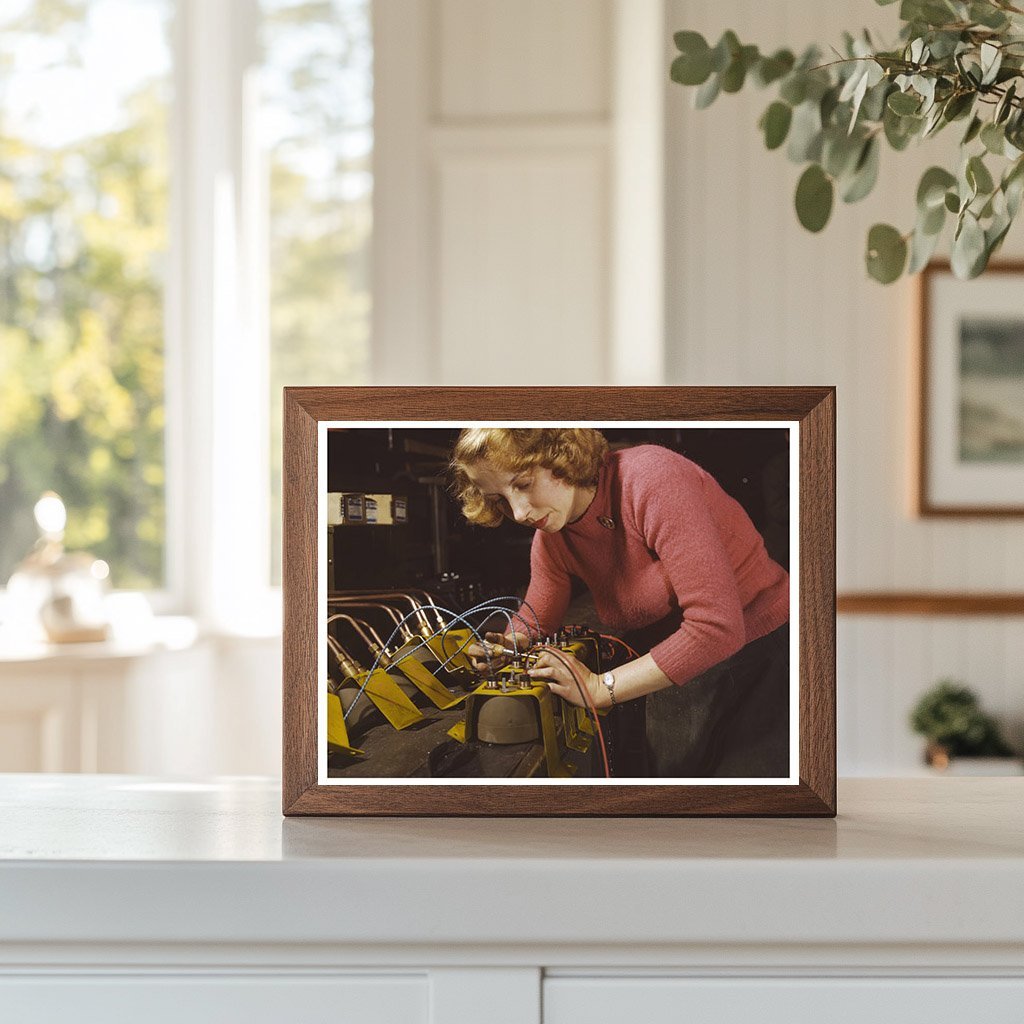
(957,61)
(950,718)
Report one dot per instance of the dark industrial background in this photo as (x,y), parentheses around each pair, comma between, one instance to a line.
(438,551)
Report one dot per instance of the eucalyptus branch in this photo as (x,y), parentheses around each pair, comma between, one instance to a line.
(834,117)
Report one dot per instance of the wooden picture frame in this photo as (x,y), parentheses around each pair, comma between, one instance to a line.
(807,413)
(970,413)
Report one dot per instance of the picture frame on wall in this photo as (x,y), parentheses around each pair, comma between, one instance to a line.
(559,601)
(970,445)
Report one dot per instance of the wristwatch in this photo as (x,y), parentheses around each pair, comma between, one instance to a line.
(609,680)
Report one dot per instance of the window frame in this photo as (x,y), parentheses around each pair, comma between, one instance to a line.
(216,328)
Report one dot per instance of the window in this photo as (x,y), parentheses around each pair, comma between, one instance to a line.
(83,237)
(317,127)
(185,221)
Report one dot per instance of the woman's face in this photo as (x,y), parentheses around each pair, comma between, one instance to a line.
(534,497)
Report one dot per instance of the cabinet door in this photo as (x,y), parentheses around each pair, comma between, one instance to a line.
(569,1000)
(206,999)
(42,720)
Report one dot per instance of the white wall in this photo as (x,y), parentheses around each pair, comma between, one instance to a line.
(515,152)
(504,135)
(522,235)
(752,298)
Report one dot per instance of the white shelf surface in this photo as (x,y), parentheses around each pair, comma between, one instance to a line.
(923,863)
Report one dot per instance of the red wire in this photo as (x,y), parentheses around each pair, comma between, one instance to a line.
(589,701)
(619,640)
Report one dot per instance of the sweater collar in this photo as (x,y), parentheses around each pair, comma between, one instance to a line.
(599,511)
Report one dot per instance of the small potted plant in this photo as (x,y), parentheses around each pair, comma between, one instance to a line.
(950,718)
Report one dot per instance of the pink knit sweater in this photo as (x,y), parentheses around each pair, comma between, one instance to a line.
(678,541)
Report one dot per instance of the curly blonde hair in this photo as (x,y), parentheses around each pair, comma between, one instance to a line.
(569,453)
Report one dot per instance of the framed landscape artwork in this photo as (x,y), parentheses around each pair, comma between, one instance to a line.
(970,452)
(497,603)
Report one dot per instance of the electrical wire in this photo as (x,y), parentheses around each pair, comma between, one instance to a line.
(622,643)
(490,606)
(588,703)
(491,609)
(423,643)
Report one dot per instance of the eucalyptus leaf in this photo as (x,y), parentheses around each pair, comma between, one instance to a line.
(966,189)
(854,92)
(1013,187)
(814,194)
(865,174)
(993,138)
(987,15)
(840,152)
(994,235)
(932,221)
(900,130)
(931,12)
(886,254)
(968,247)
(922,248)
(873,106)
(794,88)
(736,73)
(771,69)
(925,88)
(903,103)
(775,123)
(952,202)
(708,92)
(931,190)
(991,60)
(693,65)
(817,83)
(978,176)
(805,133)
(972,131)
(1004,106)
(943,44)
(724,51)
(958,105)
(689,42)
(934,121)
(828,104)
(1014,191)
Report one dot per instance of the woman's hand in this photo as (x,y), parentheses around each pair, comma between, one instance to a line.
(566,675)
(479,656)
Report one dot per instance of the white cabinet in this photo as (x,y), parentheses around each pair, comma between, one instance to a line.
(96,708)
(178,705)
(204,999)
(823,1000)
(130,897)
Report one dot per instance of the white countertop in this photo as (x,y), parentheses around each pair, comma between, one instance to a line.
(122,859)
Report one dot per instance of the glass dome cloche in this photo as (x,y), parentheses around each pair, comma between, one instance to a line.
(57,595)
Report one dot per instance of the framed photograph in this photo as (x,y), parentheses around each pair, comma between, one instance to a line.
(559,601)
(971,393)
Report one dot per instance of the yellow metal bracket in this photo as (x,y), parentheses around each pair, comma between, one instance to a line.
(426,682)
(387,695)
(451,646)
(575,726)
(556,767)
(337,734)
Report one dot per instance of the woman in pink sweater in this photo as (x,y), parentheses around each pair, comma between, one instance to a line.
(667,555)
